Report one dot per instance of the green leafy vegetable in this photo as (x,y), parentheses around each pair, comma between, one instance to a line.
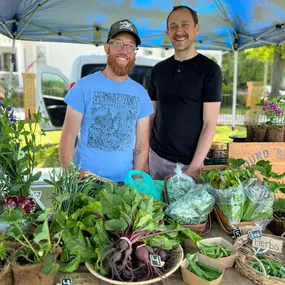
(272,268)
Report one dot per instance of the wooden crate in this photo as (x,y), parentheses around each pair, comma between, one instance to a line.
(253,152)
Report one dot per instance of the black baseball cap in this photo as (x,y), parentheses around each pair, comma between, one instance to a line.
(124,26)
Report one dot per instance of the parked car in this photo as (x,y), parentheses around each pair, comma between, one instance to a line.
(52,85)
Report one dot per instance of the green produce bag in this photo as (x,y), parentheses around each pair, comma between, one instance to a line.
(231,202)
(259,203)
(193,208)
(178,185)
(145,184)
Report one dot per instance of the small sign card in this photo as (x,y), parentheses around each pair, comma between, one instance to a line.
(269,243)
(155,260)
(237,233)
(66,281)
(255,234)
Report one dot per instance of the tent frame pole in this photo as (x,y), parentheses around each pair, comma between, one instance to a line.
(28,21)
(12,64)
(3,24)
(234,106)
(259,38)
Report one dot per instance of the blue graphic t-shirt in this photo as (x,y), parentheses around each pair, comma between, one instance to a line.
(110,111)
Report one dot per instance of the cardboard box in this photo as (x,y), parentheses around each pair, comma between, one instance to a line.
(192,279)
(227,261)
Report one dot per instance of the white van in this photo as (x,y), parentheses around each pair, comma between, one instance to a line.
(52,85)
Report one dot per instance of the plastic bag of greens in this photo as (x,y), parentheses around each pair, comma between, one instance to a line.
(259,203)
(178,185)
(193,208)
(231,202)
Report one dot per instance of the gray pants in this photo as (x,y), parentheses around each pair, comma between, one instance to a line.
(159,167)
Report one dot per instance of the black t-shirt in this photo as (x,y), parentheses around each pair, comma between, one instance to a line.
(181,88)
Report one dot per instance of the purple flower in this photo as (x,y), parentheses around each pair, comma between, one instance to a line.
(266,104)
(11,115)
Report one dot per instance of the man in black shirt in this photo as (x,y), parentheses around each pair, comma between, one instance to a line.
(186,93)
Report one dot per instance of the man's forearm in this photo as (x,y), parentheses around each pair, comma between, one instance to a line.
(141,158)
(66,151)
(204,144)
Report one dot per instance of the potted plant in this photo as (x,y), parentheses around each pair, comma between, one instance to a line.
(277,226)
(275,128)
(35,262)
(256,133)
(27,205)
(18,148)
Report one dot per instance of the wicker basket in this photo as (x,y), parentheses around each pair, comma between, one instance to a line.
(245,255)
(200,229)
(178,251)
(83,174)
(226,226)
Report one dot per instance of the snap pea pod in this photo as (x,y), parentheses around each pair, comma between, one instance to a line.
(202,270)
(214,250)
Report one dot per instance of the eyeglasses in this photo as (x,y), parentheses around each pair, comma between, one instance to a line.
(119,45)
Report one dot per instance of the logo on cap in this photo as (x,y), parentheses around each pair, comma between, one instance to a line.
(126,25)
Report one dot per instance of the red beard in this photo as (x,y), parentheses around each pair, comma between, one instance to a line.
(117,69)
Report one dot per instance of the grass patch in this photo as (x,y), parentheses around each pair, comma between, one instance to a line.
(223,133)
(48,155)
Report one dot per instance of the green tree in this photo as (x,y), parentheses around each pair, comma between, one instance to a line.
(278,69)
(262,54)
(267,54)
(248,69)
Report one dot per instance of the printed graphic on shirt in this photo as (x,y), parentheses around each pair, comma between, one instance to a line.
(113,121)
